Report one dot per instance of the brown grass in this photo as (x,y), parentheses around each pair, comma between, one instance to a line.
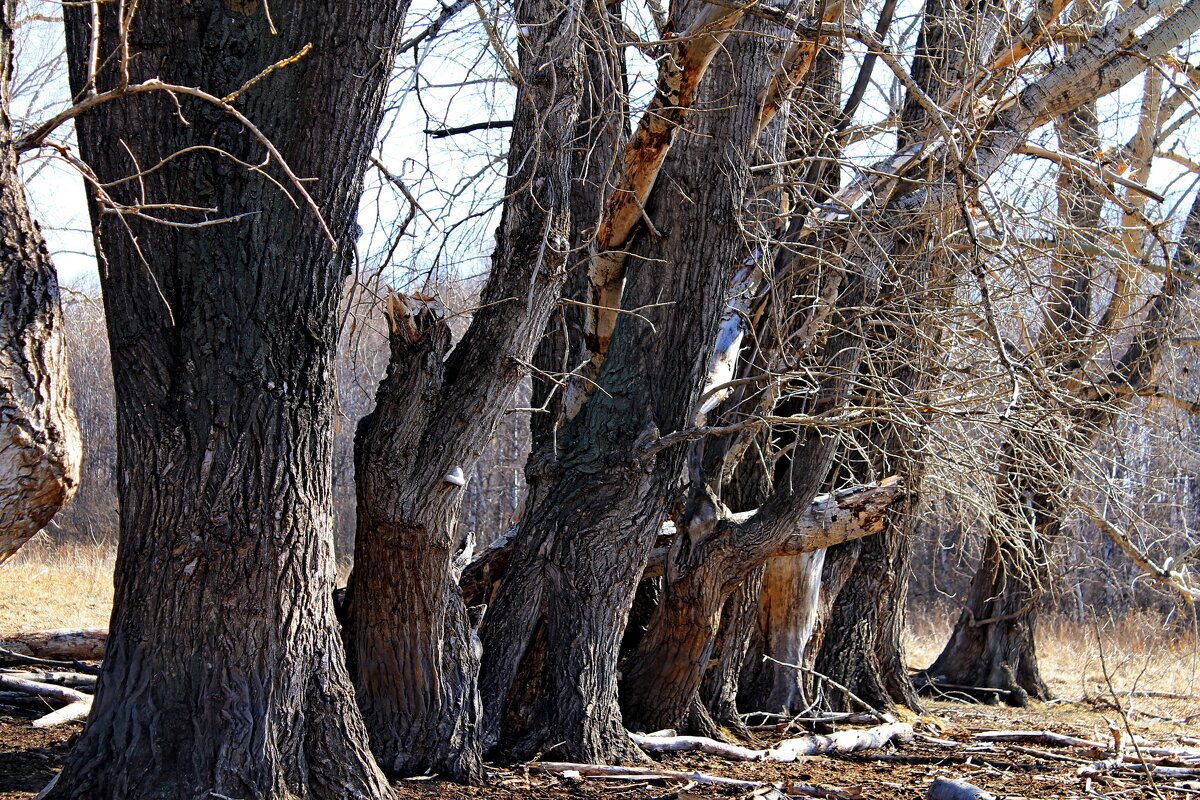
(1140,653)
(48,585)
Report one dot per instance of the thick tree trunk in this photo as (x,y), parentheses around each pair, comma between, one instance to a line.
(410,650)
(224,672)
(40,450)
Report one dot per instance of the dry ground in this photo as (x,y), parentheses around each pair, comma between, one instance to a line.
(1106,676)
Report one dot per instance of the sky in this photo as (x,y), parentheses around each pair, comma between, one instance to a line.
(457,181)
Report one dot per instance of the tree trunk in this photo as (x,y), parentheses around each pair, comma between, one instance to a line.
(224,672)
(787,616)
(40,449)
(416,659)
(580,552)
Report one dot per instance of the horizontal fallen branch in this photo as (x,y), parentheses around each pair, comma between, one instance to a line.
(73,644)
(58,678)
(1143,749)
(13,657)
(643,773)
(840,516)
(63,693)
(68,713)
(849,741)
(1125,766)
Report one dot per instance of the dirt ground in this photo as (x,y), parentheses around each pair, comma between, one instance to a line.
(943,747)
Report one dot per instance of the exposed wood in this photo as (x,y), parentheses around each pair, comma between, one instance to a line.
(56,678)
(848,741)
(8,656)
(946,789)
(66,644)
(831,519)
(68,713)
(43,689)
(682,69)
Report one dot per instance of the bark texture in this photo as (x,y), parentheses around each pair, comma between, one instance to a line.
(415,658)
(224,672)
(40,448)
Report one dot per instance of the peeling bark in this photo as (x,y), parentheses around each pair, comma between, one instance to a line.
(415,657)
(40,448)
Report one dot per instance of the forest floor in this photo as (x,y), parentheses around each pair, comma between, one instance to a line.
(1132,676)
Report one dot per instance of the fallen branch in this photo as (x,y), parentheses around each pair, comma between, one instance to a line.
(850,741)
(1123,765)
(13,657)
(71,644)
(43,689)
(73,679)
(644,773)
(946,789)
(65,714)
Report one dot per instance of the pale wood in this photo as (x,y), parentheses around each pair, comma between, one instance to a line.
(946,789)
(644,773)
(68,644)
(65,714)
(53,677)
(42,689)
(848,741)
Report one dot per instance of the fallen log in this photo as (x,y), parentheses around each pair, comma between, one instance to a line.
(43,689)
(946,789)
(65,714)
(72,644)
(850,741)
(1141,747)
(642,773)
(847,515)
(73,679)
(1127,766)
(13,657)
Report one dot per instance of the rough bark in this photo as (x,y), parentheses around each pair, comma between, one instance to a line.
(40,449)
(579,555)
(224,672)
(414,655)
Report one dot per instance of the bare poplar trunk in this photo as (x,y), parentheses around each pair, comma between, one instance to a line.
(224,672)
(40,450)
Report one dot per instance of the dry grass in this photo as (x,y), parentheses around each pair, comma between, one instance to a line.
(48,585)
(1104,676)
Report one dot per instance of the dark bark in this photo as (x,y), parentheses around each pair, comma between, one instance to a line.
(580,552)
(416,659)
(224,672)
(40,450)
